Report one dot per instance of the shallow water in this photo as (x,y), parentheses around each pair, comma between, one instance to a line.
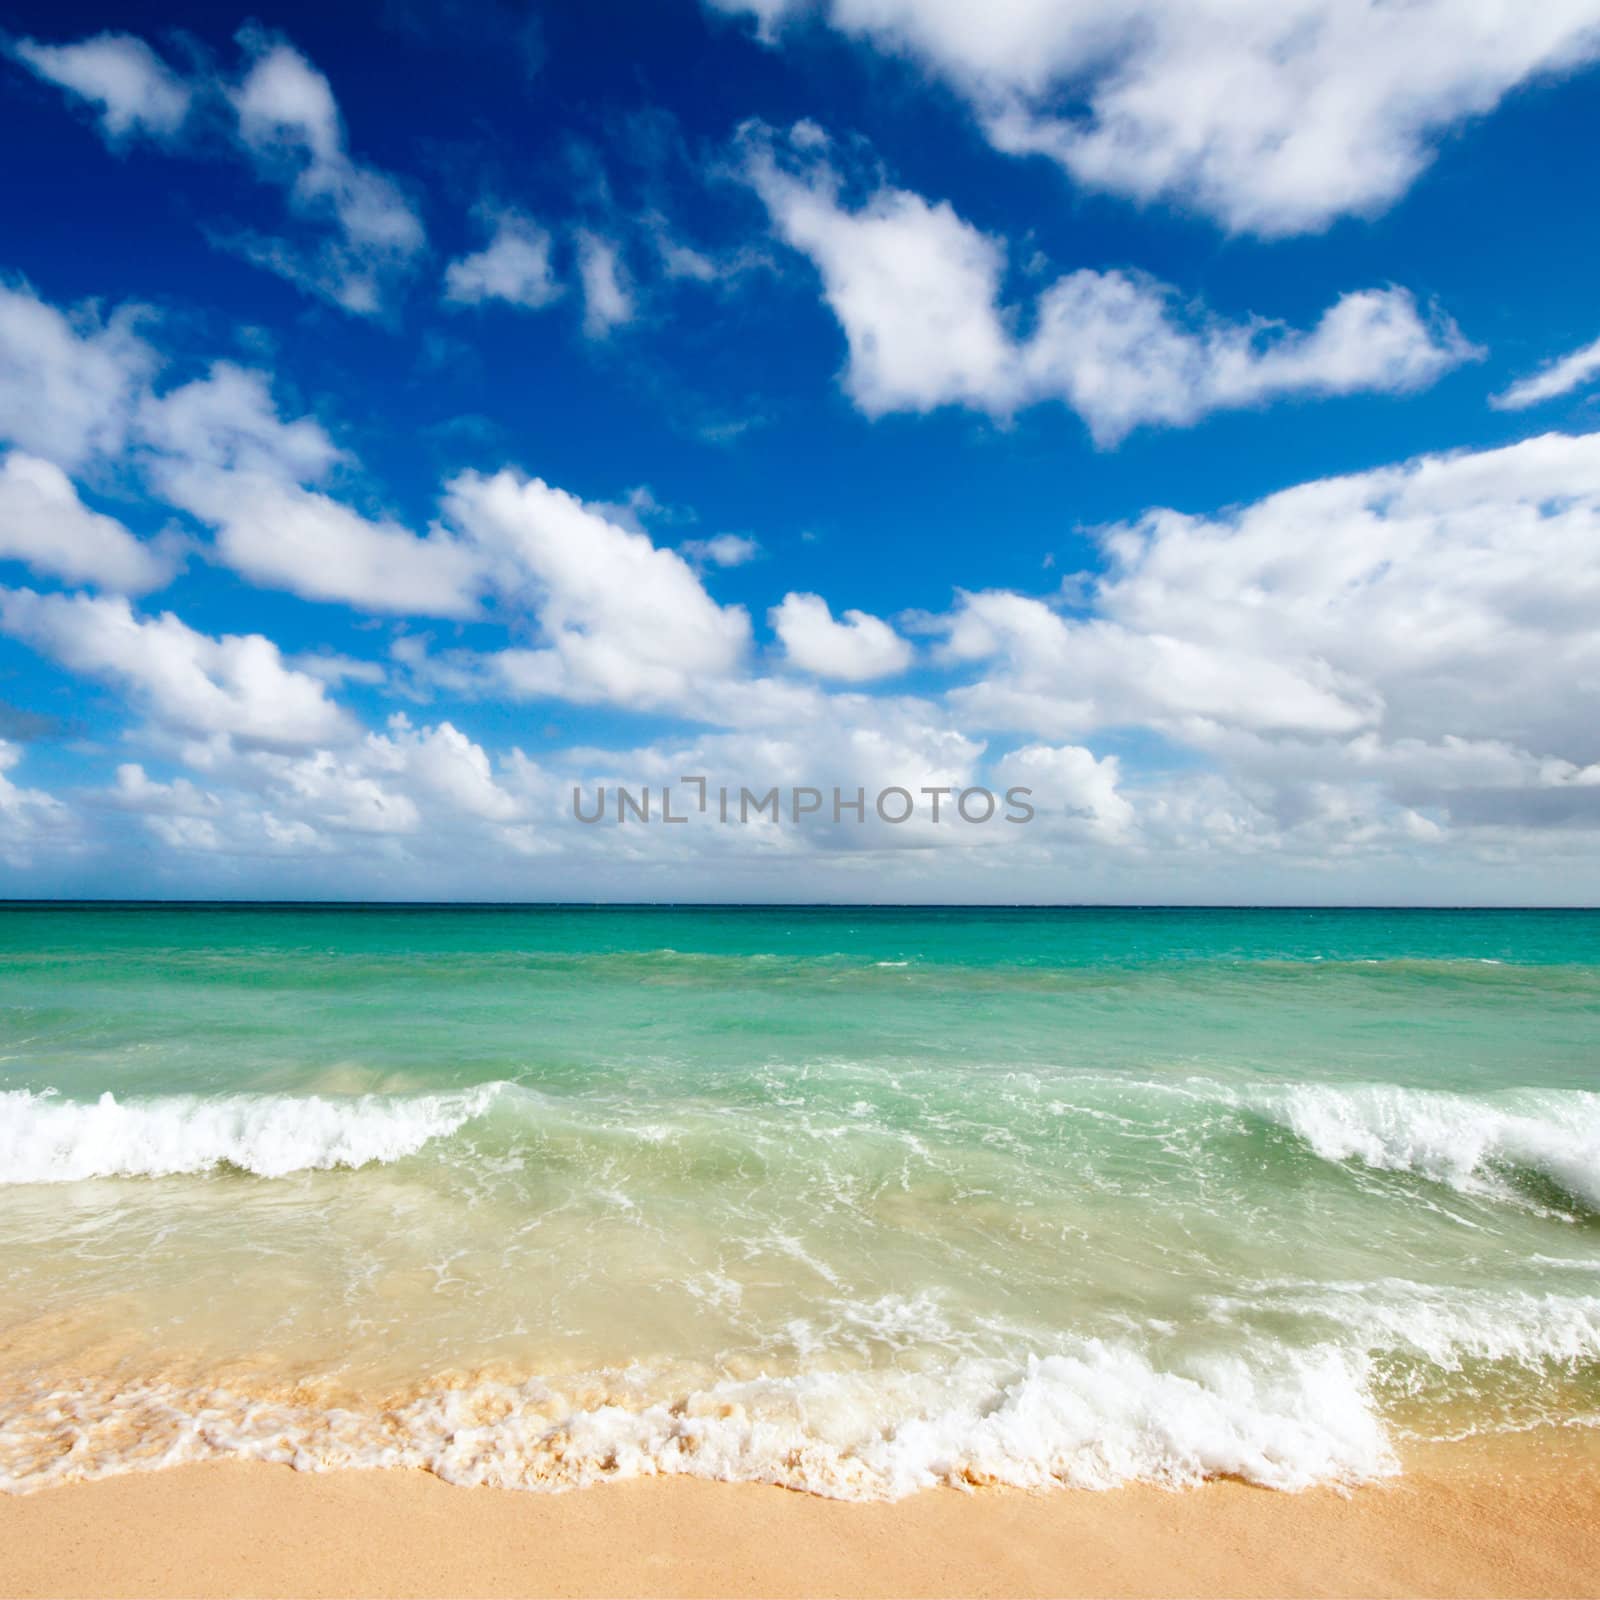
(852,1200)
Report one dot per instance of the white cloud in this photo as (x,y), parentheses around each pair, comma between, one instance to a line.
(361,236)
(337,670)
(1064,676)
(338,792)
(135,90)
(1570,372)
(68,383)
(1451,597)
(417,788)
(681,261)
(289,123)
(218,449)
(287,537)
(235,686)
(1390,666)
(1352,679)
(1118,350)
(45,524)
(722,550)
(228,420)
(264,803)
(76,391)
(855,649)
(1272,116)
(607,300)
(915,288)
(222,453)
(135,790)
(1069,783)
(27,816)
(514,266)
(621,619)
(918,293)
(447,766)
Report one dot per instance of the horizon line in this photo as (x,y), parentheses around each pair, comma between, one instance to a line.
(68,902)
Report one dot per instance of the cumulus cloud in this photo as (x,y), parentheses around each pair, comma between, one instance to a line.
(1068,676)
(1560,377)
(444,764)
(27,816)
(228,420)
(429,790)
(1073,786)
(136,790)
(1384,667)
(76,392)
(135,91)
(221,452)
(514,266)
(46,525)
(1118,349)
(335,792)
(619,615)
(235,686)
(1444,605)
(68,381)
(856,648)
(620,618)
(1272,116)
(918,293)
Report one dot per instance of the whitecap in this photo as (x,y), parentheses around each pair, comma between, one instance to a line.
(45,1138)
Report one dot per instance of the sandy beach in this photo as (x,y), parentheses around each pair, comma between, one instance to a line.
(1518,1519)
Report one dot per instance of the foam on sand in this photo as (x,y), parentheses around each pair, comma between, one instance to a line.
(1093,1417)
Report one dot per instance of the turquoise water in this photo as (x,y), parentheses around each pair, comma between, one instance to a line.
(853,1200)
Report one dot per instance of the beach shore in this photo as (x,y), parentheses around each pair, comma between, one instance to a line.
(1519,1517)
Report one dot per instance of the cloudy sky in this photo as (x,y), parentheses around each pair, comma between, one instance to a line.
(1188,410)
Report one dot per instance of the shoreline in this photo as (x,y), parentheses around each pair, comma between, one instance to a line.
(1502,1516)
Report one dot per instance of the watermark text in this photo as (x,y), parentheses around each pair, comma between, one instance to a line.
(794,804)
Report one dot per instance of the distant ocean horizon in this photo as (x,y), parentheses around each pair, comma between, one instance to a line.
(855,1199)
(179,903)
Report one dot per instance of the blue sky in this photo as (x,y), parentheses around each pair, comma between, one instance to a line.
(413,411)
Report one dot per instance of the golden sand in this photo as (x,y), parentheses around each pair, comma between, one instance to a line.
(1518,1517)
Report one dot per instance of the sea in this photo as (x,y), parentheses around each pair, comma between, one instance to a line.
(856,1201)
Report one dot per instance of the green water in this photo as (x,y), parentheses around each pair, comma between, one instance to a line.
(851,1199)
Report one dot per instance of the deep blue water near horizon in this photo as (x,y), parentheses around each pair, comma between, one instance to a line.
(851,1198)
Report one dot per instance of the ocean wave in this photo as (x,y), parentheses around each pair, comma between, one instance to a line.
(1420,1331)
(1094,1418)
(1495,1147)
(47,1139)
(1533,1148)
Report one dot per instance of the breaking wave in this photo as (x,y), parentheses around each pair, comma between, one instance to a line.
(47,1139)
(1524,1147)
(1482,1146)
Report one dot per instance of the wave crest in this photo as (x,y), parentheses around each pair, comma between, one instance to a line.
(47,1139)
(1472,1145)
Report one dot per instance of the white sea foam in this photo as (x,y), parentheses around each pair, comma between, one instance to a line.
(1099,1416)
(1474,1145)
(47,1139)
(1433,1327)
